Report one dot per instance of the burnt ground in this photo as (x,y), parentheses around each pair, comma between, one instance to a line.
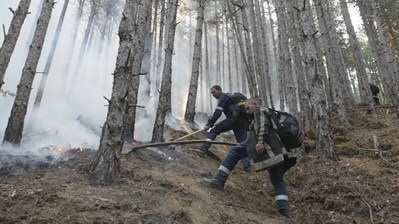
(160,185)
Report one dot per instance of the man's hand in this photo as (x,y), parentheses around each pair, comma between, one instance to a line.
(207,127)
(260,149)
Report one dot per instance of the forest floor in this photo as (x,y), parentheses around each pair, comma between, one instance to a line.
(160,185)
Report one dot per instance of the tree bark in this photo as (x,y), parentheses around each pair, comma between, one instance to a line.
(285,62)
(333,62)
(384,60)
(324,140)
(10,40)
(164,105)
(47,66)
(106,166)
(15,125)
(361,73)
(193,89)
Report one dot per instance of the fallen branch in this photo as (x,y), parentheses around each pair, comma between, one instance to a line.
(370,209)
(373,150)
(177,143)
(377,148)
(361,197)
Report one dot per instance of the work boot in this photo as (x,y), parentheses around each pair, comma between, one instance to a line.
(201,153)
(203,150)
(285,213)
(212,183)
(247,169)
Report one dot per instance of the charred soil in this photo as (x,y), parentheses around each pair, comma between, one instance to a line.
(160,185)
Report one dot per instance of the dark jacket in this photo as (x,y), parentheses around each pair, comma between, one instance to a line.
(226,106)
(262,132)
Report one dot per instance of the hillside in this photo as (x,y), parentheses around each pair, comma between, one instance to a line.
(160,185)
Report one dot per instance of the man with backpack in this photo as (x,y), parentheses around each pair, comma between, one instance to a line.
(374,91)
(264,147)
(234,121)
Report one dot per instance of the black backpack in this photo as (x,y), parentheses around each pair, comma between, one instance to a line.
(287,127)
(239,101)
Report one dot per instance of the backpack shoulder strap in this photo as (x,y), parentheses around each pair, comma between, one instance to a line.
(272,113)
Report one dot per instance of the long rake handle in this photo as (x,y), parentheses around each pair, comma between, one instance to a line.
(178,143)
(183,137)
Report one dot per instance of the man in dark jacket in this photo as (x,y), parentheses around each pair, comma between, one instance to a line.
(264,145)
(375,90)
(234,121)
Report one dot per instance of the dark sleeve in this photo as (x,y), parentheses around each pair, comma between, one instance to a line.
(222,103)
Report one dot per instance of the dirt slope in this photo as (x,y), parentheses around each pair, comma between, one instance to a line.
(159,185)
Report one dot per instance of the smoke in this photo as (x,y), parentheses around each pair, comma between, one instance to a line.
(62,122)
(76,120)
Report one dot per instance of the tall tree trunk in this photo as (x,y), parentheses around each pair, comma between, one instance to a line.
(47,66)
(68,57)
(83,50)
(10,40)
(243,38)
(141,78)
(160,50)
(207,65)
(229,65)
(106,166)
(385,62)
(258,49)
(193,89)
(361,73)
(285,62)
(164,105)
(274,58)
(218,77)
(297,56)
(334,64)
(15,125)
(265,55)
(324,140)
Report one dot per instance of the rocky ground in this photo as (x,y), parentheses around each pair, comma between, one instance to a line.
(160,185)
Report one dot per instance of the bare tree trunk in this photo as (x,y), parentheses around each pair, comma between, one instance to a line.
(243,38)
(334,38)
(361,73)
(154,48)
(164,105)
(258,49)
(141,74)
(146,67)
(265,55)
(82,51)
(160,50)
(324,143)
(193,89)
(47,66)
(207,64)
(15,125)
(68,57)
(10,40)
(106,166)
(217,74)
(384,60)
(270,50)
(297,57)
(333,64)
(229,65)
(285,61)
